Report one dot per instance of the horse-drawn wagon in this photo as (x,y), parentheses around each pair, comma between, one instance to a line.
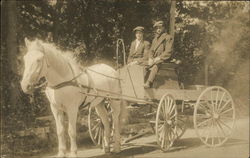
(213,116)
(213,107)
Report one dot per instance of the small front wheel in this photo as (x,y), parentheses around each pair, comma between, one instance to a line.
(166,122)
(96,127)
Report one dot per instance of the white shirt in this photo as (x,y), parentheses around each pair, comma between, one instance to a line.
(137,42)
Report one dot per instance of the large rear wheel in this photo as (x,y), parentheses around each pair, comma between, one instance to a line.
(214,116)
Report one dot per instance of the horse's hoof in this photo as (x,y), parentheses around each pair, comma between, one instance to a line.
(73,154)
(106,150)
(117,150)
(60,155)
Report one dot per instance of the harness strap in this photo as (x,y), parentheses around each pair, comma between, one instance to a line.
(84,100)
(71,82)
(88,87)
(104,74)
(64,84)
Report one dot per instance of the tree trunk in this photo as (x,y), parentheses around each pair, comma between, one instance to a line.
(11,43)
(56,21)
(172,18)
(12,34)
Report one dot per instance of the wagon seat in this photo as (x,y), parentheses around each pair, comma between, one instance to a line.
(167,76)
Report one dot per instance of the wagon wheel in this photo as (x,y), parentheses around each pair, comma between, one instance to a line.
(214,116)
(96,127)
(166,122)
(181,126)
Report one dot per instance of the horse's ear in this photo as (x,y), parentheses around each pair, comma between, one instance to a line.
(27,42)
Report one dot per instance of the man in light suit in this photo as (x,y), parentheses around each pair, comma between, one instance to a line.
(139,48)
(160,51)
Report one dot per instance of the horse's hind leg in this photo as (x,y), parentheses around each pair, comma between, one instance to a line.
(102,112)
(115,105)
(59,118)
(72,116)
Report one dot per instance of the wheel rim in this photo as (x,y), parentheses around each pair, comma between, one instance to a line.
(166,122)
(214,116)
(96,128)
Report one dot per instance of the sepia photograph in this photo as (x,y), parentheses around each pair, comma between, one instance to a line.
(125,79)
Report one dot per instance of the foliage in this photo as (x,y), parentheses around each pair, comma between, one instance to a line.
(216,33)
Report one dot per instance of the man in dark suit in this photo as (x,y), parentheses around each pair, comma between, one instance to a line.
(160,51)
(139,48)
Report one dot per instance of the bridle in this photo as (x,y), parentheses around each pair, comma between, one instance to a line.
(71,82)
(44,60)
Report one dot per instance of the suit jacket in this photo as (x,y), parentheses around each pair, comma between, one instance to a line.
(140,54)
(161,47)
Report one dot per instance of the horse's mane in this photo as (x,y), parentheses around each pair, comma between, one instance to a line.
(67,55)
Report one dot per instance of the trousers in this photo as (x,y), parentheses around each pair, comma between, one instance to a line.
(153,71)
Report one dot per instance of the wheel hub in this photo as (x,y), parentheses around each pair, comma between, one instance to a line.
(216,116)
(169,122)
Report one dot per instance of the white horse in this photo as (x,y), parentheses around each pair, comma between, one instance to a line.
(44,60)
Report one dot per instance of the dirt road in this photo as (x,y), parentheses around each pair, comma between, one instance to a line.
(189,146)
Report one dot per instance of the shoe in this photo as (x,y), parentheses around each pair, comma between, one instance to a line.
(147,85)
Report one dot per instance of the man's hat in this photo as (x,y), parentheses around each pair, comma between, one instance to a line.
(138,28)
(158,23)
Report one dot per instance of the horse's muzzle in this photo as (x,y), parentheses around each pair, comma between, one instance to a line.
(27,88)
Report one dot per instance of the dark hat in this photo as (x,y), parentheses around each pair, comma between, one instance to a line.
(138,28)
(158,23)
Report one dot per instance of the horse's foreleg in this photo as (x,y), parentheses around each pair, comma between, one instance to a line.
(59,118)
(116,113)
(102,112)
(72,116)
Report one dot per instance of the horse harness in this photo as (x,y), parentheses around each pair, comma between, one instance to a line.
(73,82)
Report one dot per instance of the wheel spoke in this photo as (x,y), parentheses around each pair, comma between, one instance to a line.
(96,134)
(212,136)
(207,135)
(226,117)
(168,103)
(95,126)
(99,136)
(175,114)
(221,100)
(165,105)
(173,131)
(173,107)
(216,102)
(204,107)
(221,129)
(224,105)
(226,111)
(163,111)
(225,124)
(201,123)
(163,139)
(166,139)
(161,133)
(160,128)
(212,101)
(218,131)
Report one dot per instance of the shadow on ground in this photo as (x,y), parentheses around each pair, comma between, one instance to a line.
(128,152)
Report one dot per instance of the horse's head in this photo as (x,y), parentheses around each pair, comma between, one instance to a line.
(35,65)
